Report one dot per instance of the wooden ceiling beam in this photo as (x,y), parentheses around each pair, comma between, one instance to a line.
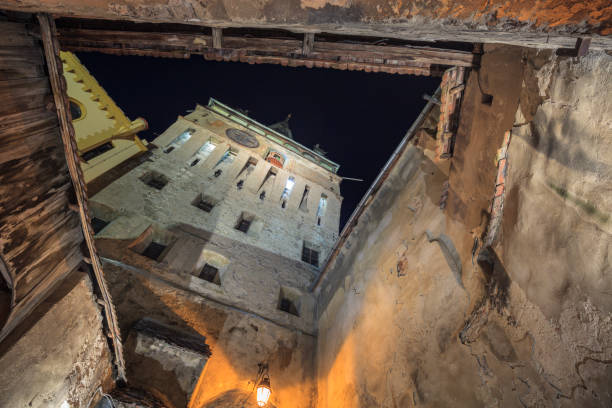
(284,51)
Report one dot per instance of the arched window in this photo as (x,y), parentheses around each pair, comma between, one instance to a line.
(77,110)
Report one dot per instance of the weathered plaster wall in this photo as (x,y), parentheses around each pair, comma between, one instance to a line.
(60,354)
(545,23)
(238,342)
(402,325)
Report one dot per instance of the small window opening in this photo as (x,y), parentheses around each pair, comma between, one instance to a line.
(75,110)
(269,179)
(204,151)
(262,196)
(240,184)
(244,223)
(288,301)
(155,180)
(154,250)
(248,168)
(309,254)
(203,203)
(304,201)
(218,172)
(98,224)
(227,158)
(179,140)
(287,191)
(321,209)
(211,274)
(93,153)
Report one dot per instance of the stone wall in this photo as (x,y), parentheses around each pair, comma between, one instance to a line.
(415,312)
(60,354)
(275,229)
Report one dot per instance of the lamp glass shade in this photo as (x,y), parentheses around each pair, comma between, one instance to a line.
(263,392)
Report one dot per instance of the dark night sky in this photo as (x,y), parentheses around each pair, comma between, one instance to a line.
(357,117)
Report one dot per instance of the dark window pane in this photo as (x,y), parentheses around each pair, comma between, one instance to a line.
(75,110)
(243,225)
(204,205)
(154,250)
(98,224)
(93,153)
(210,273)
(288,306)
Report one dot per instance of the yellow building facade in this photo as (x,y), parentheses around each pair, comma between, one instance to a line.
(106,137)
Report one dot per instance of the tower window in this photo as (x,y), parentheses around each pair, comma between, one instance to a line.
(211,274)
(244,222)
(248,167)
(98,224)
(289,301)
(154,250)
(321,209)
(179,140)
(155,180)
(309,254)
(304,201)
(204,151)
(287,191)
(203,203)
(75,110)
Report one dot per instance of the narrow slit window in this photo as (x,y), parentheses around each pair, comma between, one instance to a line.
(211,274)
(248,168)
(227,159)
(304,201)
(321,209)
(309,254)
(202,153)
(267,182)
(287,191)
(179,140)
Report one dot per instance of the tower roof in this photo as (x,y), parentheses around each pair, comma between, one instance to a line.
(282,127)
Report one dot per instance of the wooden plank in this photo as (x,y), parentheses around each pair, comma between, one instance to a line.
(22,72)
(44,288)
(11,57)
(217,38)
(23,94)
(51,47)
(50,253)
(37,131)
(22,234)
(307,43)
(29,180)
(338,55)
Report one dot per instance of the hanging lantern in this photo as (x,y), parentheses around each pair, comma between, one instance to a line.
(263,391)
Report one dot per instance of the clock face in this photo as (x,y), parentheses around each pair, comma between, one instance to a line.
(242,138)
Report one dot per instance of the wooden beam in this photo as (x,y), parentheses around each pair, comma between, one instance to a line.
(217,38)
(58,85)
(255,50)
(307,43)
